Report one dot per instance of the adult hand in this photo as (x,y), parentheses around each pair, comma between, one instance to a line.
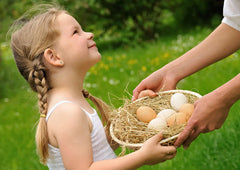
(209,114)
(155,82)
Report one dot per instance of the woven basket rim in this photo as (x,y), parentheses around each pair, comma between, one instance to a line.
(134,145)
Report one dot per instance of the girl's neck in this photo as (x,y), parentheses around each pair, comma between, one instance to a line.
(66,85)
(65,80)
(76,96)
(66,93)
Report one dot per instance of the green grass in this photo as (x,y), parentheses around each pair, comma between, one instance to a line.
(112,79)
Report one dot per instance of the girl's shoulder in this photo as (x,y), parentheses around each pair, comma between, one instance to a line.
(66,111)
(67,116)
(68,122)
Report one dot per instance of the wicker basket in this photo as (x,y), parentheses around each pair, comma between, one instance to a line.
(130,110)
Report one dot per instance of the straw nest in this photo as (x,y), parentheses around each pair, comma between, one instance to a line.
(129,132)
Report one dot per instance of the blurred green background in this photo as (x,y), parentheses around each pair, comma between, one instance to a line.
(135,38)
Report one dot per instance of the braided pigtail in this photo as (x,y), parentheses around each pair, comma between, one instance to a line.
(103,108)
(105,111)
(38,81)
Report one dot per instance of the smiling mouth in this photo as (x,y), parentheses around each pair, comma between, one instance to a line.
(94,45)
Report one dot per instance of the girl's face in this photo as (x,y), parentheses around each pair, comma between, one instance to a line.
(76,47)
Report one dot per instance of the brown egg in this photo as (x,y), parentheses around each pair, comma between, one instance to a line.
(149,93)
(145,114)
(187,108)
(177,119)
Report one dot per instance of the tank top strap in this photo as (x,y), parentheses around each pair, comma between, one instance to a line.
(54,107)
(90,114)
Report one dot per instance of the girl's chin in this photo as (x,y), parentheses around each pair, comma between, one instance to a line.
(99,57)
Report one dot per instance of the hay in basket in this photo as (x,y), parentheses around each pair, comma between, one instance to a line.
(129,132)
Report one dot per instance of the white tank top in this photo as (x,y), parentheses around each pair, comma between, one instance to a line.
(100,146)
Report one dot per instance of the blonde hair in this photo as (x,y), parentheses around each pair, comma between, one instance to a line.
(28,44)
(29,39)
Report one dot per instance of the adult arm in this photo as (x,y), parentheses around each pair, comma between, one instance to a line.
(223,41)
(210,111)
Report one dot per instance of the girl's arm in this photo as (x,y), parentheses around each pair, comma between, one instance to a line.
(149,154)
(72,132)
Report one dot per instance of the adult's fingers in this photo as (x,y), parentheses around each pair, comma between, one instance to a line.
(191,138)
(136,91)
(184,135)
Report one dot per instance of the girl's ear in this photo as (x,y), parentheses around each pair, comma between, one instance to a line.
(52,58)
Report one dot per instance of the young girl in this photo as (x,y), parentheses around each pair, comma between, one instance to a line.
(53,54)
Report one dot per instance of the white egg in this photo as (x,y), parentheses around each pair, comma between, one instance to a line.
(164,114)
(157,124)
(177,100)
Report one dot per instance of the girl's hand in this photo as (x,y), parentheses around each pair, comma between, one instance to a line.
(154,153)
(209,114)
(155,82)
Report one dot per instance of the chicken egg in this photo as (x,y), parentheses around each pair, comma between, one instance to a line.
(147,92)
(177,119)
(177,100)
(145,114)
(187,108)
(157,124)
(164,114)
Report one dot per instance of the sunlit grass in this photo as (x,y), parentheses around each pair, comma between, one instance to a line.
(112,79)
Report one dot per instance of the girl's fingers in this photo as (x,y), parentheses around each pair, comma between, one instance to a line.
(168,157)
(158,137)
(169,150)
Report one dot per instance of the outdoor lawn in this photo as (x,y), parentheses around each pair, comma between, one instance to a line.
(113,79)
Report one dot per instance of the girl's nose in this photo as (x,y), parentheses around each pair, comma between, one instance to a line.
(90,35)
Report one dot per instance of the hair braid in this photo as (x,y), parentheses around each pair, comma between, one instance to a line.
(31,34)
(105,111)
(38,81)
(37,78)
(103,108)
